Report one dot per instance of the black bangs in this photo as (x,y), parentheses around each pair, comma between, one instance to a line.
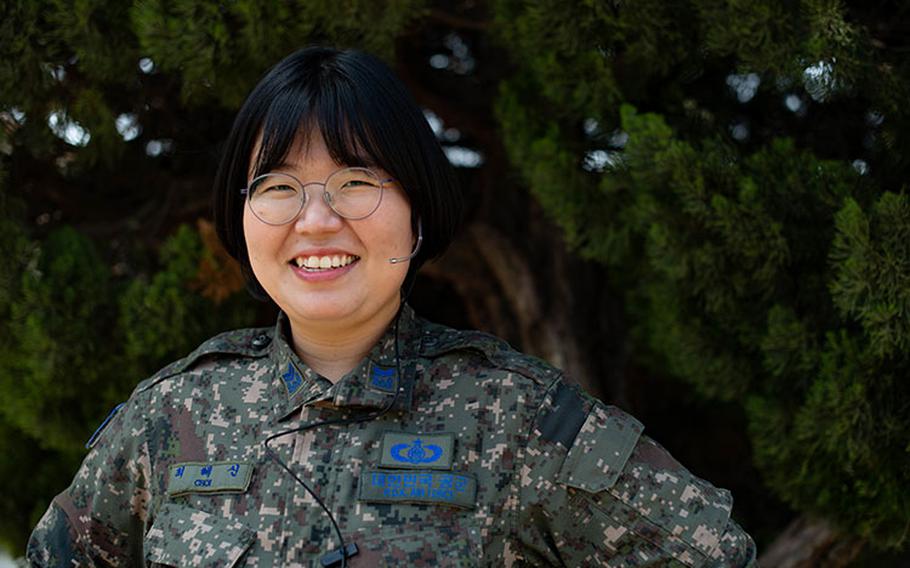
(330,105)
(366,118)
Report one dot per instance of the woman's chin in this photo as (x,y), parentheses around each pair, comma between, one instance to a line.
(320,311)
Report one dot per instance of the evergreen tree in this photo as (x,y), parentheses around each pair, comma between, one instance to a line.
(737,166)
(740,166)
(112,113)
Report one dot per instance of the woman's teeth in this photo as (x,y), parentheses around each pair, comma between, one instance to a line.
(317,263)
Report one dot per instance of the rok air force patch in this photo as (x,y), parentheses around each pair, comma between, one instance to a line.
(417,451)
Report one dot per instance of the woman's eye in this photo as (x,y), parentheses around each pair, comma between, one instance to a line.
(359,183)
(277,188)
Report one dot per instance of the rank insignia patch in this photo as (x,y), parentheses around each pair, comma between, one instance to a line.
(383,378)
(292,379)
(418,451)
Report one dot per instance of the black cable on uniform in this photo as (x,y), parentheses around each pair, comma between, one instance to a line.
(370,416)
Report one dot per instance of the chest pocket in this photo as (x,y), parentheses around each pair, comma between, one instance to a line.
(444,544)
(184,536)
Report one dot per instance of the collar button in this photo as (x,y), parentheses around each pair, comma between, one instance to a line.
(260,341)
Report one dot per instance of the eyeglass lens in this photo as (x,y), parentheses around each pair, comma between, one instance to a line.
(353,193)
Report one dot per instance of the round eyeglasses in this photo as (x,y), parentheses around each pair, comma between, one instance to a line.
(352,193)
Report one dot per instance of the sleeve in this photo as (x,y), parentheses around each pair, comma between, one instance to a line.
(99,519)
(594,491)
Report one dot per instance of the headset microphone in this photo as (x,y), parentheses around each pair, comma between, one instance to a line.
(416,246)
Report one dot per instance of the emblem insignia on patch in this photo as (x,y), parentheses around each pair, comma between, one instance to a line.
(405,450)
(383,378)
(416,453)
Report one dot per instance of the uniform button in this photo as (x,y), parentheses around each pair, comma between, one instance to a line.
(261,341)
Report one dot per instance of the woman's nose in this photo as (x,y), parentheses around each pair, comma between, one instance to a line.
(317,216)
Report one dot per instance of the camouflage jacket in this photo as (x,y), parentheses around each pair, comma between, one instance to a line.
(487,457)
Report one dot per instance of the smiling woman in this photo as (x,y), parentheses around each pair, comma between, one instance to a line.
(353,431)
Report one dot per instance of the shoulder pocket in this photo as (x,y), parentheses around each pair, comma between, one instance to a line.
(184,536)
(601,449)
(690,511)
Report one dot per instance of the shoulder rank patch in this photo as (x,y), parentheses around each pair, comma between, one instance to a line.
(417,451)
(94,439)
(435,487)
(208,477)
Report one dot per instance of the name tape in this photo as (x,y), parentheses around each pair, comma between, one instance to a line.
(208,477)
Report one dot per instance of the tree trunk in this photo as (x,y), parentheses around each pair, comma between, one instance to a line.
(811,543)
(504,290)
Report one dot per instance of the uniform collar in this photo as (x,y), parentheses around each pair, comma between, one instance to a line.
(371,385)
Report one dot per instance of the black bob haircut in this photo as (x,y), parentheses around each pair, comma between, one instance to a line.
(366,117)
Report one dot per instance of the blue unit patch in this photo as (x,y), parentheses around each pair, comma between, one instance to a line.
(416,453)
(292,379)
(383,378)
(97,434)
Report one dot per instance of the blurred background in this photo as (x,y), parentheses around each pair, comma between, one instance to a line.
(698,208)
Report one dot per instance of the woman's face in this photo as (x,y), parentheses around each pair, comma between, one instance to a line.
(352,294)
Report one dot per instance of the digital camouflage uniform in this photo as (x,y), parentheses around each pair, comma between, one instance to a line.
(488,457)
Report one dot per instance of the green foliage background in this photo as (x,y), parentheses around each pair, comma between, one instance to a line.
(88,311)
(762,248)
(760,265)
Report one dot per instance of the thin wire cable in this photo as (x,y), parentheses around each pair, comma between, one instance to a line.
(371,416)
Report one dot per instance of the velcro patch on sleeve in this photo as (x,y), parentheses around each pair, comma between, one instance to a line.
(434,487)
(208,477)
(566,416)
(601,449)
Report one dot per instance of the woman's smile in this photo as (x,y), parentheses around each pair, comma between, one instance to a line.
(322,266)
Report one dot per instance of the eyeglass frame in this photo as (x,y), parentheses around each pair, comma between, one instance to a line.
(326,196)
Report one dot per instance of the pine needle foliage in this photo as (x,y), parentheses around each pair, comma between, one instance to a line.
(741,166)
(111,116)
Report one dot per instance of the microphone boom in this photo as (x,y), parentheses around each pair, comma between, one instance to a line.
(396,260)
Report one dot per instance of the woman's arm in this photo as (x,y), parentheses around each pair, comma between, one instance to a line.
(594,491)
(100,518)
